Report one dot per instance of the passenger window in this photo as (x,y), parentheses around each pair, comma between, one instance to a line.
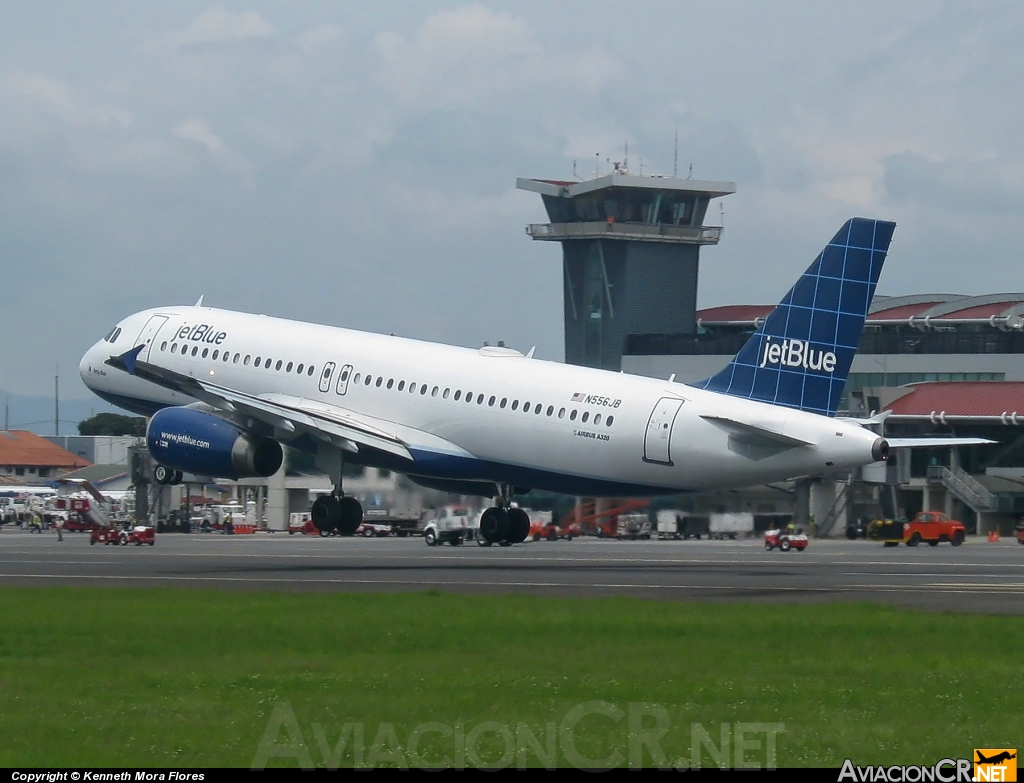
(380,380)
(299,369)
(458,394)
(538,408)
(480,400)
(310,370)
(206,352)
(401,386)
(357,378)
(572,416)
(551,409)
(195,350)
(526,407)
(597,419)
(268,362)
(491,401)
(608,423)
(586,415)
(423,389)
(433,392)
(445,395)
(391,382)
(227,356)
(504,400)
(163,346)
(174,347)
(515,405)
(276,366)
(215,355)
(258,362)
(561,413)
(412,388)
(369,379)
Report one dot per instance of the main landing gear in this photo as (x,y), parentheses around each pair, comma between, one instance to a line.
(501,524)
(336,512)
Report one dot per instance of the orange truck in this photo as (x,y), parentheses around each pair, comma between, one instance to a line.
(933,527)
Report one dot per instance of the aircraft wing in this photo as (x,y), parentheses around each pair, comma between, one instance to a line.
(340,426)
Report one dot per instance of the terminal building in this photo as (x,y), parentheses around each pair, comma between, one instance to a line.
(941,364)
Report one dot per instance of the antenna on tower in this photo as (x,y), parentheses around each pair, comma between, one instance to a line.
(690,174)
(625,159)
(56,402)
(597,165)
(675,157)
(574,174)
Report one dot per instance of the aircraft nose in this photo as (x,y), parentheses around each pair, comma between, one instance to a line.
(87,363)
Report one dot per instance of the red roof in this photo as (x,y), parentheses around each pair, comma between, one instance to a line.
(904,311)
(980,311)
(734,313)
(26,449)
(966,398)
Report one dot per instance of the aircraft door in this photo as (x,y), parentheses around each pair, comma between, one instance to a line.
(148,335)
(658,439)
(325,377)
(343,377)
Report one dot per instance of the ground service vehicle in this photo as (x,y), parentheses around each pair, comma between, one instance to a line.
(141,534)
(453,525)
(1020,532)
(785,540)
(108,535)
(933,527)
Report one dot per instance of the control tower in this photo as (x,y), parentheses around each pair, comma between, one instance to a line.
(630,257)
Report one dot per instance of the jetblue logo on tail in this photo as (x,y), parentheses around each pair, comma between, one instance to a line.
(797,353)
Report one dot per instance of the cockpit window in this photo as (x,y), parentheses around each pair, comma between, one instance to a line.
(113,334)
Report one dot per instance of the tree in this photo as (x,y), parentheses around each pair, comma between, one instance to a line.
(113,424)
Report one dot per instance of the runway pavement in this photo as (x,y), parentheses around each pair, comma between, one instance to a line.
(976,577)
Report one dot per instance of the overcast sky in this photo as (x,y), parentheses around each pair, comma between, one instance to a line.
(355,163)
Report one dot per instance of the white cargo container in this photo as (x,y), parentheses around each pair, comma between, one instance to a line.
(733,524)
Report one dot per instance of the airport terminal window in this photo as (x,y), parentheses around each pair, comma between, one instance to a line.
(572,416)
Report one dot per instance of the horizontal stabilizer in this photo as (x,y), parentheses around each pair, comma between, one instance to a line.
(924,443)
(752,431)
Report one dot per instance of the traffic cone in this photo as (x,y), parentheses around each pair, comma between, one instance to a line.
(993,536)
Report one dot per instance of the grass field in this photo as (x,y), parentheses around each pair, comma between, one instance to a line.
(93,677)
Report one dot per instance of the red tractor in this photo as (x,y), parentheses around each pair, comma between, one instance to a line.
(785,540)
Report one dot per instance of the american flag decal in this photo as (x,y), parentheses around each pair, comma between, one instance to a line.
(578,397)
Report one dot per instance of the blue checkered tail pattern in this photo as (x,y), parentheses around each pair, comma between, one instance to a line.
(801,354)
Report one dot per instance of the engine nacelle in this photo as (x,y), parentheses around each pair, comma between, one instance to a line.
(195,442)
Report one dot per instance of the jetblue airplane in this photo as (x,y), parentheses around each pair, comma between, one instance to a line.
(225,389)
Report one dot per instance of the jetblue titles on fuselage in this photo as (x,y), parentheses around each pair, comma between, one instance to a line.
(200,333)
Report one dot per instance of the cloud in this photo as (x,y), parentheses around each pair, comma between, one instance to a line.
(198,131)
(220,26)
(58,99)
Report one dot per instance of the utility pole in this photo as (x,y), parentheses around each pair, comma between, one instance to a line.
(56,402)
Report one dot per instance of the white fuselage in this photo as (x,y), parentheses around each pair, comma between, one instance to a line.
(488,414)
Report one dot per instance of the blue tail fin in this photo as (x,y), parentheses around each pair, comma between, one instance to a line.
(801,354)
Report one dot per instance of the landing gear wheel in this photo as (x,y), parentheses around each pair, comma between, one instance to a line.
(494,525)
(176,478)
(351,515)
(162,475)
(325,513)
(518,525)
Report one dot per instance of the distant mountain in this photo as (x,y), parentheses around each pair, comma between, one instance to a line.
(35,414)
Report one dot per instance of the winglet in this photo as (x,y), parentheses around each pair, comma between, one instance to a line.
(200,302)
(530,354)
(127,360)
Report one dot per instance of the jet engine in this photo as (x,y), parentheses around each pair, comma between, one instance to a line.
(195,442)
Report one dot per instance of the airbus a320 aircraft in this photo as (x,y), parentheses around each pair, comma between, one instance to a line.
(226,389)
